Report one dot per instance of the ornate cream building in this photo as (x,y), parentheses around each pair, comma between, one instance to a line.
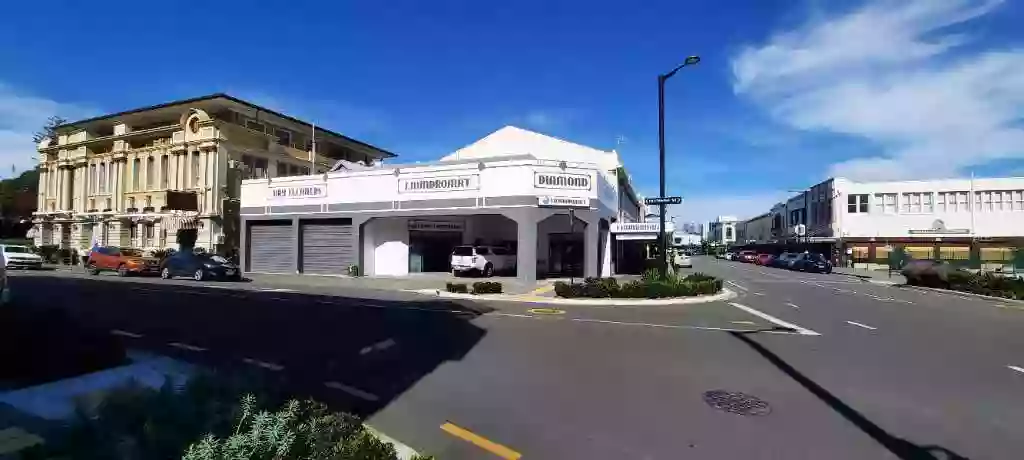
(135,178)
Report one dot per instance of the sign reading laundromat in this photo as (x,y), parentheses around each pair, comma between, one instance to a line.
(561,181)
(302,191)
(438,184)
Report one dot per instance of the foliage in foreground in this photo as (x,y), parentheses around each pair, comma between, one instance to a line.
(650,286)
(479,287)
(210,417)
(299,430)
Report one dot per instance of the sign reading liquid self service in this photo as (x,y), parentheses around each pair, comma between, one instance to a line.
(300,191)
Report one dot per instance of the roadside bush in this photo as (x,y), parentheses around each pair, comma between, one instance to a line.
(486,287)
(457,288)
(651,274)
(353,270)
(698,276)
(669,286)
(48,252)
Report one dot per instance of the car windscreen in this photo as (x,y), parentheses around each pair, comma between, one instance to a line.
(131,252)
(17,249)
(462,251)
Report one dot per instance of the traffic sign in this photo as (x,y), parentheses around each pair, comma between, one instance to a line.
(664,200)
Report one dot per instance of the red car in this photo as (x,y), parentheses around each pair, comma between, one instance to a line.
(764,259)
(125,261)
(747,256)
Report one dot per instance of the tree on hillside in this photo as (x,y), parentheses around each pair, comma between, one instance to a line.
(49,130)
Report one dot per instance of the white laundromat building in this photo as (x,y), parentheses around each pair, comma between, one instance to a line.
(512,189)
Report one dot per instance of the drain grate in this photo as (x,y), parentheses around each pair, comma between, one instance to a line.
(736,403)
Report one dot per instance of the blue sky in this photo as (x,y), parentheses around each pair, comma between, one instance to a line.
(787,92)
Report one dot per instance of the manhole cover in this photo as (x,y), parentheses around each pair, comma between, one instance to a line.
(736,403)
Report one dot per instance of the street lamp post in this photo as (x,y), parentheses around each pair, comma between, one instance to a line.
(663,253)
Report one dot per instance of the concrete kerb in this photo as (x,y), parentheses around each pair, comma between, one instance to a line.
(404,452)
(726,294)
(969,294)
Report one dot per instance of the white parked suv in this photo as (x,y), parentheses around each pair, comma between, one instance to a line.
(16,256)
(485,260)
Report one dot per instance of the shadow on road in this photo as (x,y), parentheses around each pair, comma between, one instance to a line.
(902,448)
(354,354)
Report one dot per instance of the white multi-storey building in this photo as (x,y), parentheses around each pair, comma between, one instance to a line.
(561,208)
(722,231)
(136,178)
(979,220)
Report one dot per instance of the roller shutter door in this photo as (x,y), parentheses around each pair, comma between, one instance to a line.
(328,246)
(271,247)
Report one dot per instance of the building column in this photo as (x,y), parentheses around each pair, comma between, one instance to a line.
(526,253)
(590,243)
(605,240)
(296,245)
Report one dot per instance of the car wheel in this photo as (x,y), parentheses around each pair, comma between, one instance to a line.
(122,271)
(91,268)
(488,271)
(455,273)
(199,275)
(165,273)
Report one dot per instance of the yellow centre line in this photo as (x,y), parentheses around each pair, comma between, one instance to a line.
(481,442)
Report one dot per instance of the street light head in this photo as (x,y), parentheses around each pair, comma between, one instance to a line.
(692,60)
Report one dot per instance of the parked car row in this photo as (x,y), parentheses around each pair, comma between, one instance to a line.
(799,261)
(129,261)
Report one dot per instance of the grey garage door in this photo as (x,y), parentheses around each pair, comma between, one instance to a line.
(271,247)
(328,246)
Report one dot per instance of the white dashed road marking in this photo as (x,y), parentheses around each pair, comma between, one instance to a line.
(774,320)
(126,334)
(737,286)
(263,364)
(185,346)
(351,390)
(276,290)
(793,305)
(865,326)
(1017,368)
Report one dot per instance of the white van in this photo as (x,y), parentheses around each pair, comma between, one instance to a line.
(485,260)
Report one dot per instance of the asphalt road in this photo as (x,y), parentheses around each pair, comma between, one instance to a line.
(870,372)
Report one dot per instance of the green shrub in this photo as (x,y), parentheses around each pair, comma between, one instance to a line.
(457,288)
(669,286)
(486,287)
(633,290)
(699,276)
(651,274)
(562,289)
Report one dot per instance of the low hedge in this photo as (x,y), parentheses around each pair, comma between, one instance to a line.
(650,287)
(457,288)
(987,284)
(486,287)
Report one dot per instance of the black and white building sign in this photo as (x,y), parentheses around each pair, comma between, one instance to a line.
(562,181)
(563,201)
(303,191)
(436,225)
(438,184)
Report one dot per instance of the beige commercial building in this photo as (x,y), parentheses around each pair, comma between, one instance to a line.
(138,177)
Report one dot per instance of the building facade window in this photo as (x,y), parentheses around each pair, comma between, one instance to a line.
(103,178)
(282,169)
(885,203)
(150,173)
(999,200)
(728,233)
(284,137)
(94,178)
(196,169)
(136,172)
(164,168)
(857,203)
(131,202)
(951,202)
(916,203)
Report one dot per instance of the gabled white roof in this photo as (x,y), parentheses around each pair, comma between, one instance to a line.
(512,140)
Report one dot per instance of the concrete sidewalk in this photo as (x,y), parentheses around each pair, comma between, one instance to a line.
(421,281)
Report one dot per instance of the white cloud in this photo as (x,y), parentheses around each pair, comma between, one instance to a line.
(895,73)
(21,115)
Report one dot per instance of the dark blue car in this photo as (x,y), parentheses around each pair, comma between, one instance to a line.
(199,267)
